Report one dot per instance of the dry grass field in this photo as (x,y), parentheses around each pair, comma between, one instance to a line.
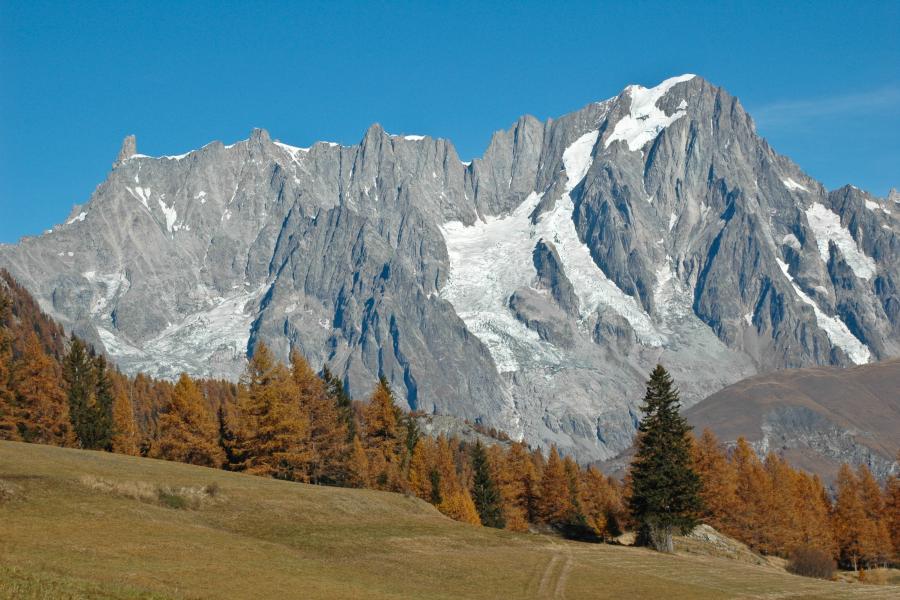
(78,524)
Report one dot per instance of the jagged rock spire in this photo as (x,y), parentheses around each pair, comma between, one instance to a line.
(129,149)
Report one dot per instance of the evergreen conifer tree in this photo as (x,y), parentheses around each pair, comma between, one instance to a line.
(665,489)
(484,490)
(335,390)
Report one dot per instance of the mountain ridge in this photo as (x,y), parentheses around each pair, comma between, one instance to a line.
(530,289)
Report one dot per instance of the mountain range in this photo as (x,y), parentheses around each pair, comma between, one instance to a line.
(530,290)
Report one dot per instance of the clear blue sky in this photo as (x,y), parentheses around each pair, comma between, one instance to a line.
(822,79)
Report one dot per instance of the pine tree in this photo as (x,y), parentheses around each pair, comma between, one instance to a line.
(188,432)
(555,505)
(78,374)
(665,489)
(101,425)
(334,387)
(484,490)
(274,432)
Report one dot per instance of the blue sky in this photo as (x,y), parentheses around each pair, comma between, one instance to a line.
(822,79)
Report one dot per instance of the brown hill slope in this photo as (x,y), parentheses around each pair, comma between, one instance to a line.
(817,418)
(82,524)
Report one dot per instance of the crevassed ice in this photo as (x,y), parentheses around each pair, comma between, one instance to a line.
(834,328)
(645,120)
(492,258)
(190,344)
(826,225)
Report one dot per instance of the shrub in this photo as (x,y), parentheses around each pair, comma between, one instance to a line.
(810,561)
(171,499)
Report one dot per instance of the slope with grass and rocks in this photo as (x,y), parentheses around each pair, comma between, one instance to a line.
(84,524)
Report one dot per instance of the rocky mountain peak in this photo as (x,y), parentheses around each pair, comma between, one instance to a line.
(128,149)
(531,290)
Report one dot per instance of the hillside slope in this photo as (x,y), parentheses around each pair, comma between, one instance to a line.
(69,527)
(817,418)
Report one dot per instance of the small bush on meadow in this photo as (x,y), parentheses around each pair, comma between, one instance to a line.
(171,497)
(810,561)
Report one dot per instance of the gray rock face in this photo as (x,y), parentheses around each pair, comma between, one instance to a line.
(531,290)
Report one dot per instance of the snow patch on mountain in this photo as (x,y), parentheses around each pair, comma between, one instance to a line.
(79,217)
(140,194)
(793,185)
(836,330)
(294,151)
(827,226)
(645,120)
(170,213)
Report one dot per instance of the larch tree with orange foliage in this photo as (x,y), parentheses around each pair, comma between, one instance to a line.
(9,429)
(555,504)
(422,475)
(602,504)
(455,500)
(892,510)
(357,467)
(126,438)
(384,440)
(813,510)
(188,431)
(327,430)
(851,527)
(273,434)
(879,543)
(39,396)
(718,481)
(751,490)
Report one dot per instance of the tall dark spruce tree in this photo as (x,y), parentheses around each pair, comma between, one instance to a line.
(89,391)
(335,390)
(484,490)
(665,495)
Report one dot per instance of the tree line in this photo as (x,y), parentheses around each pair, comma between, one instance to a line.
(292,423)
